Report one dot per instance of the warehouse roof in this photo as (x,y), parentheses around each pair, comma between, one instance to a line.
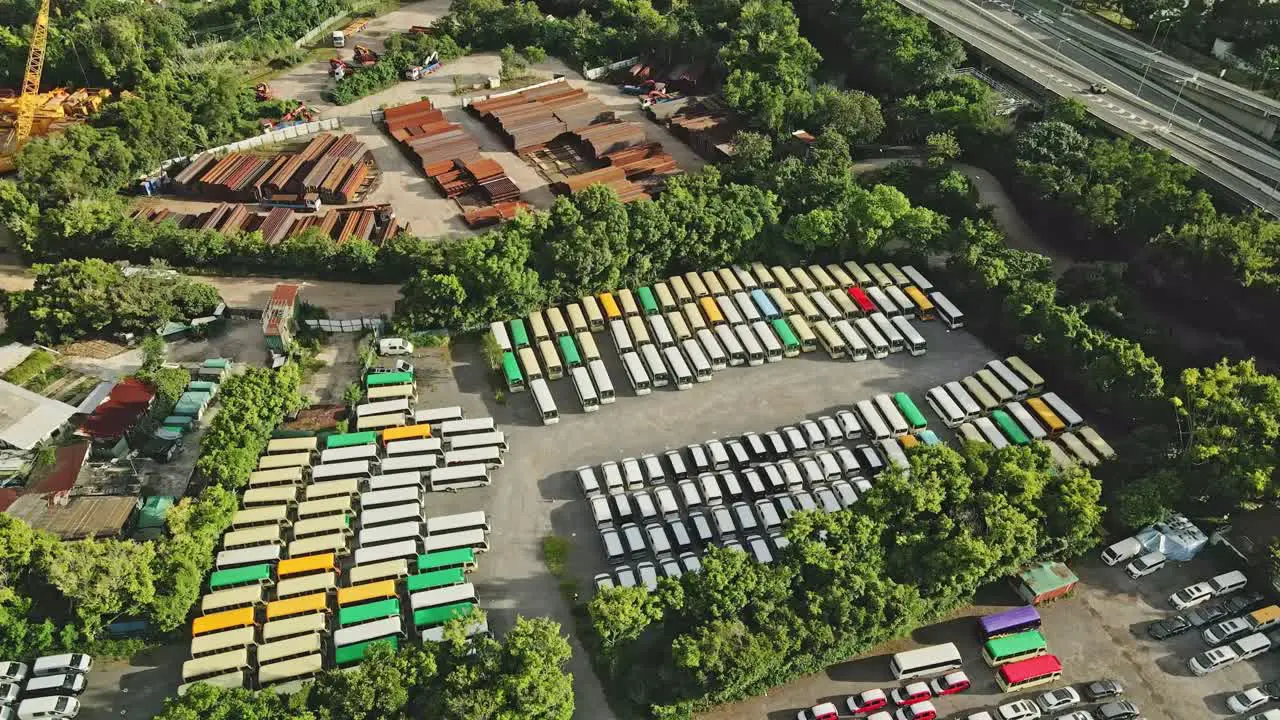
(68,461)
(27,418)
(98,516)
(128,401)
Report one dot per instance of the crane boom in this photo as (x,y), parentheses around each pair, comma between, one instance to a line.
(31,80)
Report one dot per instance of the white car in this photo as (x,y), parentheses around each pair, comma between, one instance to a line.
(1121,551)
(13,671)
(1272,714)
(1019,710)
(1145,565)
(1058,699)
(395,346)
(1075,715)
(1248,700)
(1191,595)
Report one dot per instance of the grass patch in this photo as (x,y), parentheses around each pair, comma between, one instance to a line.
(555,553)
(36,364)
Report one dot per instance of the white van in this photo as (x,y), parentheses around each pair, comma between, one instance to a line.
(60,664)
(61,684)
(395,346)
(1146,565)
(54,706)
(1121,551)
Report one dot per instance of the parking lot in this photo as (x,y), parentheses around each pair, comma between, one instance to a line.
(535,494)
(1098,632)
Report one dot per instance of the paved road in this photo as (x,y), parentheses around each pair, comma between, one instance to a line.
(1026,48)
(347,299)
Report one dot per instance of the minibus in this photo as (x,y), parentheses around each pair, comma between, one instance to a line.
(637,330)
(925,662)
(680,289)
(840,299)
(378,422)
(882,301)
(409,463)
(497,439)
(456,477)
(595,319)
(1059,456)
(1019,413)
(780,301)
(1077,448)
(364,632)
(790,343)
(893,452)
(879,276)
(806,307)
(577,319)
(666,300)
(260,535)
(475,520)
(385,514)
(636,374)
(538,327)
(819,274)
(917,279)
(279,476)
(879,345)
(764,278)
(698,359)
(301,605)
(474,539)
(280,446)
(550,360)
(944,407)
(519,336)
(747,307)
(804,281)
(627,302)
(658,372)
(321,474)
(829,311)
(392,496)
(232,598)
(750,345)
(247,556)
(306,565)
(334,542)
(275,495)
(587,343)
(648,301)
(858,348)
(997,387)
(769,341)
(417,431)
(1099,446)
(948,313)
(621,338)
(272,515)
(390,532)
(830,340)
(328,506)
(306,585)
(729,341)
(859,275)
(991,433)
(711,348)
(841,277)
(529,363)
(711,312)
(890,333)
(215,664)
(970,433)
(1009,379)
(661,331)
(610,307)
(785,282)
(804,334)
(897,423)
(321,525)
(728,310)
(286,460)
(464,558)
(1035,383)
(603,384)
(488,456)
(569,352)
(873,421)
(500,337)
(680,372)
(225,620)
(712,283)
(559,328)
(412,478)
(241,637)
(388,551)
(679,328)
(696,286)
(289,648)
(911,338)
(392,569)
(693,315)
(963,400)
(897,276)
(745,278)
(421,446)
(1047,417)
(1062,410)
(979,393)
(859,297)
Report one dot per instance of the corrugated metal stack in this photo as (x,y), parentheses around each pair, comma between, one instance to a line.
(493,214)
(424,133)
(643,161)
(376,223)
(337,166)
(530,119)
(614,177)
(604,138)
(706,126)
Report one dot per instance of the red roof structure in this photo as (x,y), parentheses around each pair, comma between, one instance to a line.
(129,400)
(69,459)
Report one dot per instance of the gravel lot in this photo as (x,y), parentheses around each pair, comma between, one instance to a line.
(535,494)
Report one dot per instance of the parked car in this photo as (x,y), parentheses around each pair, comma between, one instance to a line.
(950,684)
(1216,586)
(867,701)
(1121,551)
(1145,565)
(1123,710)
(1103,689)
(1075,715)
(1168,627)
(1058,699)
(912,693)
(825,711)
(1245,602)
(13,671)
(919,711)
(1019,710)
(395,346)
(1206,614)
(1247,700)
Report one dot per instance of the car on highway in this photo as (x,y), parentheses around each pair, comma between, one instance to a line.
(1169,627)
(1058,699)
(867,701)
(1247,700)
(1102,689)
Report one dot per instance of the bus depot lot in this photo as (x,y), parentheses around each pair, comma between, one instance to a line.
(1097,632)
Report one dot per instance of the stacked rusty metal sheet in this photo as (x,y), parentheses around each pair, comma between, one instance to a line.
(327,164)
(614,177)
(604,138)
(424,133)
(530,119)
(685,78)
(493,214)
(706,126)
(375,223)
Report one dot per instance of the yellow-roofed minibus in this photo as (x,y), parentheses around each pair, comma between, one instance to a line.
(406,432)
(300,605)
(215,622)
(289,567)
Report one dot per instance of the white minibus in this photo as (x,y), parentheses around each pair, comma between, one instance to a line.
(255,555)
(392,496)
(342,470)
(384,407)
(772,347)
(496,439)
(459,476)
(890,333)
(948,313)
(603,384)
(701,366)
(381,553)
(882,301)
(385,514)
(967,404)
(925,662)
(474,539)
(345,454)
(1062,410)
(410,463)
(680,372)
(991,433)
(944,407)
(658,373)
(829,311)
(920,281)
(435,416)
(417,446)
(872,421)
(750,313)
(440,597)
(905,305)
(745,278)
(390,532)
(500,337)
(364,632)
(475,520)
(462,427)
(1010,379)
(751,346)
(732,348)
(897,423)
(857,347)
(661,331)
(582,386)
(489,456)
(636,375)
(879,345)
(1020,414)
(728,310)
(911,338)
(621,338)
(711,347)
(781,301)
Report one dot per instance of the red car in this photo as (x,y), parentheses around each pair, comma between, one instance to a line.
(867,701)
(825,711)
(951,683)
(912,694)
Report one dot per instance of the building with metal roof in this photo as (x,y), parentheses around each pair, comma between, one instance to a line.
(76,518)
(113,418)
(27,419)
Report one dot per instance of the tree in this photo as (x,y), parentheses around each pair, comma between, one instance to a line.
(379,688)
(943,148)
(103,579)
(432,301)
(153,353)
(82,161)
(853,114)
(621,614)
(585,245)
(767,60)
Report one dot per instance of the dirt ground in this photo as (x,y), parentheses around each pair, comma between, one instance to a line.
(341,365)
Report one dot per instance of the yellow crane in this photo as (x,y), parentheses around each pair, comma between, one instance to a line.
(30,98)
